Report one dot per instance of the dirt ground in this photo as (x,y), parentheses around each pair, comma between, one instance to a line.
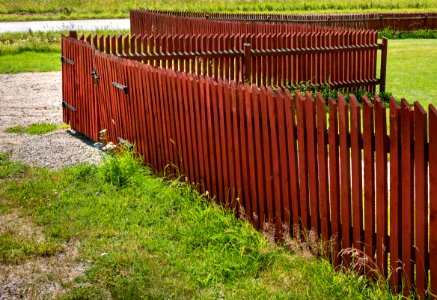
(28,98)
(25,99)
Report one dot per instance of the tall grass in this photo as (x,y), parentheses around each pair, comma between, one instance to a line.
(55,9)
(144,237)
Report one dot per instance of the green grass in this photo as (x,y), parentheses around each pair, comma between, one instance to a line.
(412,69)
(36,128)
(144,237)
(12,10)
(10,168)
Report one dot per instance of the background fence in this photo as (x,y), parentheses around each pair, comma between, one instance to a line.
(372,21)
(278,156)
(335,59)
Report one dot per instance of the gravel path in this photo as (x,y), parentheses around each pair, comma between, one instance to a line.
(28,98)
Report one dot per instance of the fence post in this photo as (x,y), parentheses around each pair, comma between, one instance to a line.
(383,69)
(73,34)
(247,62)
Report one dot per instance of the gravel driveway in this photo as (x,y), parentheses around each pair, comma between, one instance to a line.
(28,98)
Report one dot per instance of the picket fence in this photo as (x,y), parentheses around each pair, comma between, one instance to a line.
(284,159)
(369,21)
(335,60)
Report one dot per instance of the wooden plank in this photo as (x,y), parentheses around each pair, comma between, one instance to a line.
(322,153)
(211,154)
(345,187)
(334,181)
(357,192)
(230,144)
(217,140)
(310,118)
(421,198)
(407,196)
(267,159)
(223,138)
(237,148)
(205,137)
(381,186)
(245,195)
(251,147)
(432,150)
(369,182)
(303,176)
(292,158)
(395,196)
(259,155)
(274,140)
(283,159)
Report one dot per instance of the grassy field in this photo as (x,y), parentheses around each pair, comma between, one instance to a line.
(143,237)
(412,69)
(12,10)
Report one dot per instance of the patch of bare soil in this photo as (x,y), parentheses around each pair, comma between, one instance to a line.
(25,99)
(40,277)
(28,98)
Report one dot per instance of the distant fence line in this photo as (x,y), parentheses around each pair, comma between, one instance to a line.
(278,156)
(369,21)
(335,59)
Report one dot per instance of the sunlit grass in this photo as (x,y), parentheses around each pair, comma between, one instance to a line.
(144,237)
(73,9)
(36,128)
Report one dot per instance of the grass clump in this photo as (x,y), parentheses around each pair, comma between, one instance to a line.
(36,128)
(399,35)
(10,168)
(145,237)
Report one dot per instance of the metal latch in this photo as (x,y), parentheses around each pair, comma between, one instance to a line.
(121,87)
(95,76)
(69,106)
(67,60)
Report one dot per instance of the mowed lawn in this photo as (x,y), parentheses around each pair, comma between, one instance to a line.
(412,70)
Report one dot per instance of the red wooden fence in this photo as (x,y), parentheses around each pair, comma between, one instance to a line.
(148,22)
(372,21)
(340,60)
(277,155)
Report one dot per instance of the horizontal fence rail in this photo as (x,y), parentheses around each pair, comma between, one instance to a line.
(335,60)
(372,21)
(284,159)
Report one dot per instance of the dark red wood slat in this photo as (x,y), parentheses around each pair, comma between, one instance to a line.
(357,192)
(231,197)
(322,153)
(345,187)
(274,140)
(259,155)
(292,157)
(395,195)
(217,140)
(267,159)
(334,181)
(251,155)
(407,196)
(237,146)
(303,163)
(283,160)
(310,124)
(421,198)
(381,185)
(223,142)
(212,152)
(369,182)
(432,150)
(245,194)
